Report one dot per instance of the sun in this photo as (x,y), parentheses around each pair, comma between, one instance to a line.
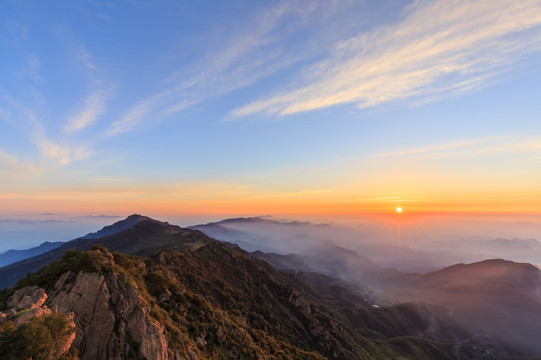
(399,209)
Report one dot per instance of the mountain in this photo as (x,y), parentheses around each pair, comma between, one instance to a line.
(495,297)
(135,235)
(268,235)
(120,226)
(183,295)
(328,259)
(295,237)
(215,301)
(12,256)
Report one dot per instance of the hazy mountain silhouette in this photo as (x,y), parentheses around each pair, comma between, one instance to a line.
(463,311)
(495,297)
(286,237)
(134,235)
(213,300)
(120,226)
(11,256)
(326,259)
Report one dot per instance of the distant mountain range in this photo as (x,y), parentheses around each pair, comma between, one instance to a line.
(11,256)
(284,237)
(194,297)
(189,296)
(153,235)
(497,297)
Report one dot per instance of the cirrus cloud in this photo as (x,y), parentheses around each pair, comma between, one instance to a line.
(437,47)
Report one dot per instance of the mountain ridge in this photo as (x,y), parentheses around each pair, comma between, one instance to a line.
(216,301)
(174,236)
(285,303)
(11,256)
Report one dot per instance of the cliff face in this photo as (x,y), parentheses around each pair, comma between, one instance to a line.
(109,315)
(111,319)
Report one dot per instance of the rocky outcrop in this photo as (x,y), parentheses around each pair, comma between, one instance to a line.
(27,298)
(111,319)
(25,304)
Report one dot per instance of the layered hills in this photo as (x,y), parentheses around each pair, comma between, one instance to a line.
(12,256)
(134,235)
(145,289)
(496,297)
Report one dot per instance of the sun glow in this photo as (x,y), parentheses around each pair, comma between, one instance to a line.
(399,210)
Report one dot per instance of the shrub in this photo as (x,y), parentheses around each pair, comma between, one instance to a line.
(43,338)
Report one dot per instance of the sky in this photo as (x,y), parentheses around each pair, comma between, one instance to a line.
(215,108)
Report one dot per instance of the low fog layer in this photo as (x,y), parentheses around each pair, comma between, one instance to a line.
(405,241)
(417,244)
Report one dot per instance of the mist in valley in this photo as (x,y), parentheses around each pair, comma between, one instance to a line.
(409,243)
(454,262)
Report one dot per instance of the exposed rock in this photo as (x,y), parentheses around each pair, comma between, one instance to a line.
(166,295)
(175,355)
(109,315)
(29,314)
(192,355)
(29,297)
(220,335)
(25,304)
(201,340)
(28,303)
(69,341)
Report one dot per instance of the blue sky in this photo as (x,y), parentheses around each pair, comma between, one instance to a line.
(246,107)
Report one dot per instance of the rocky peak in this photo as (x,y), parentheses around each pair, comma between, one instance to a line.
(109,315)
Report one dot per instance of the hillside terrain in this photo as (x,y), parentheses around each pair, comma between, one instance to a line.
(212,300)
(495,297)
(146,289)
(134,235)
(297,237)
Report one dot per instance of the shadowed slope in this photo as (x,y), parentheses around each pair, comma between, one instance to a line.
(137,235)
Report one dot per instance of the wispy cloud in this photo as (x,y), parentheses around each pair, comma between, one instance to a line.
(247,54)
(84,57)
(254,52)
(9,196)
(437,148)
(94,107)
(60,153)
(437,46)
(31,70)
(13,167)
(133,116)
(472,147)
(99,216)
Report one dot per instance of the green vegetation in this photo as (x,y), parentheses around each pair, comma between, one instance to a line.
(5,294)
(90,261)
(43,338)
(219,303)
